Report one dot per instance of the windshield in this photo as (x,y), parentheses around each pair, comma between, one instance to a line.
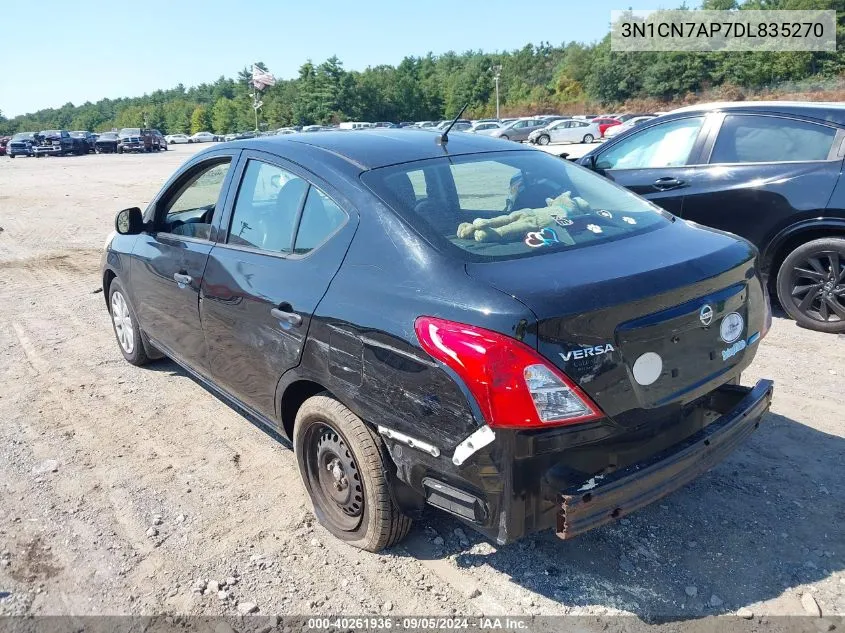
(501,205)
(22,136)
(132,131)
(51,133)
(108,135)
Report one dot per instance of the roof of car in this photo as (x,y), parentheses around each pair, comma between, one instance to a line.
(824,110)
(379,147)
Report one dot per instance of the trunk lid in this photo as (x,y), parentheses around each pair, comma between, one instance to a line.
(637,322)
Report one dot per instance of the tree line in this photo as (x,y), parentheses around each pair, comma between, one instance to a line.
(569,78)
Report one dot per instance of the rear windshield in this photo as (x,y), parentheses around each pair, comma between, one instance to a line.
(486,207)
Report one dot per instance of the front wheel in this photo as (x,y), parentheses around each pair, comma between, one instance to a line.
(543,139)
(125,325)
(588,138)
(811,285)
(343,469)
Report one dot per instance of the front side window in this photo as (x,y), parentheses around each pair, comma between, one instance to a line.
(487,207)
(767,139)
(266,208)
(665,145)
(189,211)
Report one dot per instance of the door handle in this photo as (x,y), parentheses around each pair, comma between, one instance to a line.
(182,280)
(288,317)
(668,183)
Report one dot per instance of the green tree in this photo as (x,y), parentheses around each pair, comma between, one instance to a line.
(199,120)
(223,116)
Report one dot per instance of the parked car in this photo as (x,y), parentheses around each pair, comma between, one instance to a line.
(604,124)
(133,139)
(106,143)
(89,138)
(484,127)
(767,171)
(21,144)
(176,139)
(566,131)
(518,130)
(203,137)
(159,141)
(4,141)
(627,125)
(409,366)
(630,115)
(58,143)
(444,124)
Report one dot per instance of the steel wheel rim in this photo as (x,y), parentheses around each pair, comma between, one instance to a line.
(818,286)
(543,140)
(334,477)
(122,323)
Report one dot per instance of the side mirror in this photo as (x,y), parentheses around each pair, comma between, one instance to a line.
(129,221)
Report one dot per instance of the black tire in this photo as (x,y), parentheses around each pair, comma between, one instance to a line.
(137,355)
(588,138)
(360,510)
(11,155)
(119,150)
(543,139)
(810,288)
(505,136)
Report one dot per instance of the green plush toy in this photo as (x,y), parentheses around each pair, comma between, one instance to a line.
(515,225)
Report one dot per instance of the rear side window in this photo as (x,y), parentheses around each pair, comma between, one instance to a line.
(320,218)
(501,205)
(766,139)
(266,208)
(666,145)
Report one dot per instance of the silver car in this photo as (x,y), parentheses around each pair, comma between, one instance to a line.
(518,130)
(566,131)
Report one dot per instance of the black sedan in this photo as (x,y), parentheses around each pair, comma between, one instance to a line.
(106,143)
(469,324)
(768,171)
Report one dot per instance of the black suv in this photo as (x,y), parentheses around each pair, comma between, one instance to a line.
(769,172)
(470,324)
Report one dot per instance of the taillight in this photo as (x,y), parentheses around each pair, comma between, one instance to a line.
(513,385)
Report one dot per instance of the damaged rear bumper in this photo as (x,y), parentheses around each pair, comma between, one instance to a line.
(602,499)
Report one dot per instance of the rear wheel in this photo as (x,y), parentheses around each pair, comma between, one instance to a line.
(343,469)
(543,139)
(811,285)
(588,138)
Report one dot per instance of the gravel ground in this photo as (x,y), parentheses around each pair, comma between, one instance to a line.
(134,491)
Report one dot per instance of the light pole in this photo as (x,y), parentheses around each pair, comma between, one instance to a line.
(497,71)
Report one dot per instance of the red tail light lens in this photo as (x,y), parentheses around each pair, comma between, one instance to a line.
(513,385)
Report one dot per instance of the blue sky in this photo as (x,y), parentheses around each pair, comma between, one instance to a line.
(90,49)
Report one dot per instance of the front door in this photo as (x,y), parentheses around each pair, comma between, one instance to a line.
(169,261)
(285,241)
(654,161)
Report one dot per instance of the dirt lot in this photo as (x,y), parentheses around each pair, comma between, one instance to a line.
(126,490)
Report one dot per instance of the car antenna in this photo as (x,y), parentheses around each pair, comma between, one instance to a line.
(444,138)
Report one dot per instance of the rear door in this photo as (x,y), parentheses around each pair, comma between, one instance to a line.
(169,261)
(763,172)
(657,161)
(286,234)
